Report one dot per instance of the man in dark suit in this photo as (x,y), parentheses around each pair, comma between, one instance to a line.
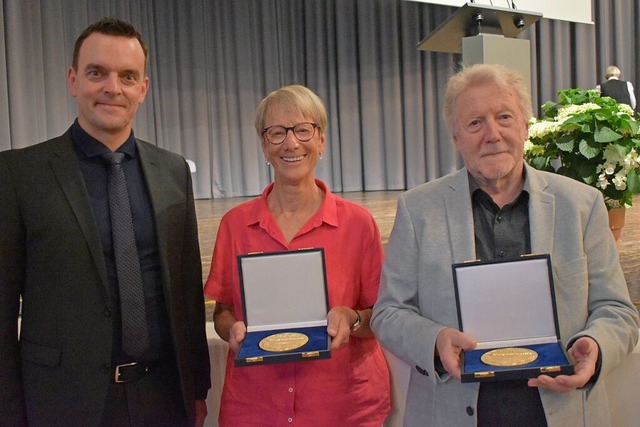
(67,366)
(617,89)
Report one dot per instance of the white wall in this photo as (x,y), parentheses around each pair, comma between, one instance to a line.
(564,10)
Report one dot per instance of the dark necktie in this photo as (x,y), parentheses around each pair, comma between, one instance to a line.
(135,337)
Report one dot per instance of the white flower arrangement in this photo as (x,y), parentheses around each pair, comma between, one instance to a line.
(590,138)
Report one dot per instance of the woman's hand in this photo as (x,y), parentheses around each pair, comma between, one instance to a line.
(339,321)
(236,335)
(228,327)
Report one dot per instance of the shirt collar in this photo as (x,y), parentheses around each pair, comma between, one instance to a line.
(473,185)
(89,147)
(327,213)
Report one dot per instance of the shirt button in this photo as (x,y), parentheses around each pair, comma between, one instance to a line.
(107,312)
(290,419)
(469,410)
(499,218)
(290,389)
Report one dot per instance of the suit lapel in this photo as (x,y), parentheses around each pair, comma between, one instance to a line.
(542,213)
(64,164)
(154,178)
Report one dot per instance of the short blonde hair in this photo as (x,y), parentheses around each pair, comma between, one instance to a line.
(481,74)
(293,98)
(612,71)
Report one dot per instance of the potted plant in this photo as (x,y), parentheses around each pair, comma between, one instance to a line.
(589,138)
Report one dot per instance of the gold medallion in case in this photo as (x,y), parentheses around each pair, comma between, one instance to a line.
(509,356)
(285,341)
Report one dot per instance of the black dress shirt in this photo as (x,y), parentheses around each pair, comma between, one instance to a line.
(502,234)
(95,170)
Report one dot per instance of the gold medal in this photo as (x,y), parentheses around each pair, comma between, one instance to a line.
(509,356)
(285,341)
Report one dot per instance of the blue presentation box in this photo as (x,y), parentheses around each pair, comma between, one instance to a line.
(509,304)
(284,293)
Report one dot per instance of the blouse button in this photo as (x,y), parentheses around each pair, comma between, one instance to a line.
(469,410)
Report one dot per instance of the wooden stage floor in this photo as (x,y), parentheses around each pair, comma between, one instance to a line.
(382,204)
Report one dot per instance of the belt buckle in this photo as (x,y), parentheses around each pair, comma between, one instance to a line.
(117,372)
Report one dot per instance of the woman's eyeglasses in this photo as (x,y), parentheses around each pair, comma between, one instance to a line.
(302,131)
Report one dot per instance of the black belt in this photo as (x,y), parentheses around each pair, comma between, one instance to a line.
(130,372)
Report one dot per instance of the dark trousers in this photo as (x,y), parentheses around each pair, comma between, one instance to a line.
(510,403)
(154,400)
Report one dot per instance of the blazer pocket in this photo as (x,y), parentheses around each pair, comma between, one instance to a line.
(571,268)
(40,354)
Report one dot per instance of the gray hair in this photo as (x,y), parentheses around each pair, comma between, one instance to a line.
(480,74)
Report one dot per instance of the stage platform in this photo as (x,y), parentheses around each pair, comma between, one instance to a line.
(382,205)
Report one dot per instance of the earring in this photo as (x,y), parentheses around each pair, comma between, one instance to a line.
(320,156)
(268,163)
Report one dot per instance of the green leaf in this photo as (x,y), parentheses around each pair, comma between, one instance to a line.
(606,134)
(622,150)
(585,170)
(541,163)
(627,198)
(633,181)
(565,143)
(588,149)
(549,109)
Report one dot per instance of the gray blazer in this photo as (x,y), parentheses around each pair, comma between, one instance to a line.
(50,253)
(434,229)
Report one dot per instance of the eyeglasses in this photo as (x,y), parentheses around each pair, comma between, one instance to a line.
(302,131)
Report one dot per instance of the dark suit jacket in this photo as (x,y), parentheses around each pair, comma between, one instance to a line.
(50,254)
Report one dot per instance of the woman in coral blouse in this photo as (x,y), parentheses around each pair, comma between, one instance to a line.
(298,211)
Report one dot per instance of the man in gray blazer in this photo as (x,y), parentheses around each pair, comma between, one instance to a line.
(68,367)
(497,207)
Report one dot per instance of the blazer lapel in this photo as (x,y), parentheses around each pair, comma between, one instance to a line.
(542,212)
(460,218)
(64,164)
(154,177)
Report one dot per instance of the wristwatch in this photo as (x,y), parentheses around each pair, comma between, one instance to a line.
(357,323)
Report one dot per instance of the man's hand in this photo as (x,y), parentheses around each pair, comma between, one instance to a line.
(584,355)
(201,412)
(450,343)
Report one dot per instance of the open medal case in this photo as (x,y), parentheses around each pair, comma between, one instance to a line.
(509,304)
(284,293)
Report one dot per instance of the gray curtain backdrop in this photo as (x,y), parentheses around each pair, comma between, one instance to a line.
(212,61)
